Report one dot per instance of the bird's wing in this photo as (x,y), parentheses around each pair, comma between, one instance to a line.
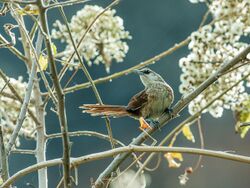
(138,101)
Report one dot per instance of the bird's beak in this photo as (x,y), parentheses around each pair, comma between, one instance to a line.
(138,72)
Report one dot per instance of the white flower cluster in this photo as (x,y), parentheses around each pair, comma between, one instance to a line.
(209,48)
(9,111)
(103,43)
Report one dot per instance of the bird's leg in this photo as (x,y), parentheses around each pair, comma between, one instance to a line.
(144,124)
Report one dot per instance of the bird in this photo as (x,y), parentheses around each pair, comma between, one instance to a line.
(146,106)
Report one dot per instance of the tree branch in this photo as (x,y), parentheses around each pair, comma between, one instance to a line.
(66,3)
(85,133)
(24,108)
(60,95)
(166,118)
(129,70)
(40,129)
(23,151)
(128,149)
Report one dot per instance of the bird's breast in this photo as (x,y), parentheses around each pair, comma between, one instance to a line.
(160,97)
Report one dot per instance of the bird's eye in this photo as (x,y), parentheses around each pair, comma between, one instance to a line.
(146,71)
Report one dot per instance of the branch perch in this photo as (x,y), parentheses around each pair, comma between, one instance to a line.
(128,149)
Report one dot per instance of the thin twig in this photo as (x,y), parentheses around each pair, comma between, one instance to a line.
(84,68)
(128,149)
(8,95)
(85,133)
(181,104)
(202,144)
(25,36)
(23,110)
(204,19)
(23,151)
(131,69)
(4,86)
(71,77)
(66,3)
(245,124)
(236,67)
(19,2)
(60,95)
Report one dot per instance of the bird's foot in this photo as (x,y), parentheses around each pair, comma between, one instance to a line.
(170,112)
(143,124)
(154,123)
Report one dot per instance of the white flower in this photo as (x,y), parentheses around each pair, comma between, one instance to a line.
(10,109)
(103,43)
(209,48)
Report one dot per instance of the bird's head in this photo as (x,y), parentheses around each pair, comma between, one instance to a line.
(149,77)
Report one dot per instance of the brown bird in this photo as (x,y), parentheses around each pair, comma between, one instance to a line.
(148,104)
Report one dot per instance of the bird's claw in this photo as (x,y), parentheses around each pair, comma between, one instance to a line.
(170,112)
(154,123)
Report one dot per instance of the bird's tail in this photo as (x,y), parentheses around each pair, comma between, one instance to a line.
(105,110)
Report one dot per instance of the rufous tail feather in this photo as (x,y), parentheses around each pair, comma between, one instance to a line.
(105,110)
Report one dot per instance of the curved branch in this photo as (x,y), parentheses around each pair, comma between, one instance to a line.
(86,133)
(109,153)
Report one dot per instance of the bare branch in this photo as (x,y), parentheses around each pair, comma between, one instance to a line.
(28,44)
(19,2)
(128,149)
(202,144)
(129,70)
(40,129)
(23,151)
(86,133)
(66,3)
(61,98)
(24,108)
